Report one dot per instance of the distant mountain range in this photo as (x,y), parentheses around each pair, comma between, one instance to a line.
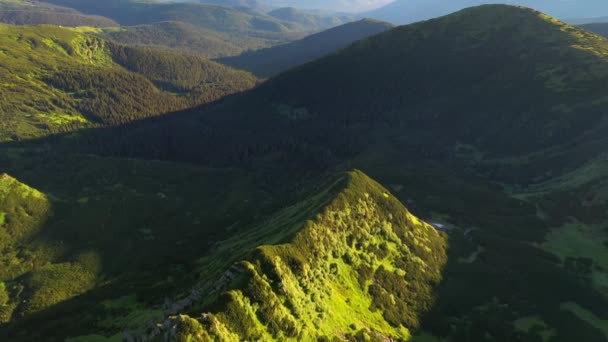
(271,61)
(408,11)
(213,28)
(599,28)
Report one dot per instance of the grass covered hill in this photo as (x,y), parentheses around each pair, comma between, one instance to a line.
(271,61)
(56,80)
(333,275)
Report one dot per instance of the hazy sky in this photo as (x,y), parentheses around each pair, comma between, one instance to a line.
(406,11)
(561,8)
(337,5)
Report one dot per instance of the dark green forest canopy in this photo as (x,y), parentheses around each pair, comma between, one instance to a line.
(502,146)
(467,101)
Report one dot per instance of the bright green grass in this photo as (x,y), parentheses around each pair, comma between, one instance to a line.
(2,218)
(580,240)
(586,315)
(326,295)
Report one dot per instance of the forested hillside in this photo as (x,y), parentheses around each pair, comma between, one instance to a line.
(58,80)
(445,144)
(23,12)
(271,61)
(243,220)
(215,17)
(206,29)
(183,37)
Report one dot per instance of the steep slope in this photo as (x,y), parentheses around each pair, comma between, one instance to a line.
(58,80)
(23,211)
(408,11)
(361,266)
(271,61)
(110,238)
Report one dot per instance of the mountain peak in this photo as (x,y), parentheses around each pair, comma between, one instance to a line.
(336,275)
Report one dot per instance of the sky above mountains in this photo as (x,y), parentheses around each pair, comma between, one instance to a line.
(404,11)
(407,11)
(335,5)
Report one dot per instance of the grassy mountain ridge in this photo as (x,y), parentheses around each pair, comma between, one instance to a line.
(116,244)
(271,61)
(58,79)
(336,274)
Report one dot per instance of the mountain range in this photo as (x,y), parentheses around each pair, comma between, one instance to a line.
(214,30)
(271,61)
(56,79)
(444,180)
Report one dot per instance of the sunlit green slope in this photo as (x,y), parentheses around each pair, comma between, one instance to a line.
(55,80)
(363,266)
